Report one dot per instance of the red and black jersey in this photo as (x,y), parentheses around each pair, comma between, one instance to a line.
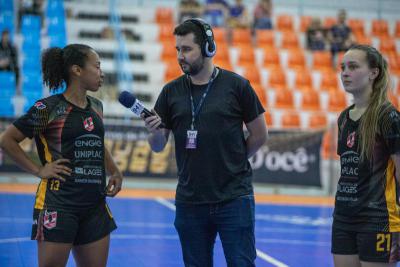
(366,197)
(63,130)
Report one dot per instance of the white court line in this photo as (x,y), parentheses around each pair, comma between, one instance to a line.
(269,259)
(14,240)
(260,254)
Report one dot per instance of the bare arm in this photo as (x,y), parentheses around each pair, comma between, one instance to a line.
(115,181)
(258,134)
(9,142)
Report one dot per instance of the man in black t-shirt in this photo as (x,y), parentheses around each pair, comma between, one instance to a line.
(205,109)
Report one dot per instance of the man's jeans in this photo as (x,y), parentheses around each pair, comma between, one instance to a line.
(198,225)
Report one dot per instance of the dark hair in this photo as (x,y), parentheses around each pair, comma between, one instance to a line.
(56,63)
(187,27)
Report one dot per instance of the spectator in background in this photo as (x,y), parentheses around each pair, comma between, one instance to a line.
(340,36)
(238,17)
(8,55)
(30,7)
(107,33)
(316,35)
(189,9)
(216,12)
(263,15)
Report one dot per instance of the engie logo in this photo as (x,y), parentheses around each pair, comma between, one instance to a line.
(40,105)
(88,124)
(287,161)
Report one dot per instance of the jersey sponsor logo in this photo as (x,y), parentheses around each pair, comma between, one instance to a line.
(88,124)
(40,105)
(351,139)
(89,171)
(50,219)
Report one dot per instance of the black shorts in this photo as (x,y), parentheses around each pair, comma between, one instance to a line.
(76,227)
(370,247)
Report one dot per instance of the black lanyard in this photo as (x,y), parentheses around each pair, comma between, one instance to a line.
(195,111)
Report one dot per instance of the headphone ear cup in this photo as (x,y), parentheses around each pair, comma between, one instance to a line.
(210,50)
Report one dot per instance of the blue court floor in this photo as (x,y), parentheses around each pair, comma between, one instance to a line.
(146,237)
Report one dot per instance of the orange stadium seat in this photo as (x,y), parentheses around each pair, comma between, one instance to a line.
(225,64)
(164,15)
(329,146)
(362,39)
(173,71)
(284,99)
(304,23)
(387,45)
(222,52)
(168,52)
(271,58)
(265,38)
(246,56)
(394,99)
(329,81)
(394,64)
(290,120)
(398,89)
(166,33)
(290,40)
(277,79)
(310,101)
(260,92)
(285,23)
(303,80)
(241,36)
(220,35)
(316,121)
(397,29)
(268,119)
(329,22)
(380,28)
(252,73)
(322,60)
(337,101)
(297,60)
(356,26)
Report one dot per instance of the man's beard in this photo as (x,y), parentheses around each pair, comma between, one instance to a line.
(193,68)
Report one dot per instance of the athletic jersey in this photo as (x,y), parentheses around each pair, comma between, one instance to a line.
(366,198)
(63,130)
(218,169)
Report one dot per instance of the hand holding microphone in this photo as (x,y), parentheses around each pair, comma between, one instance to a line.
(152,120)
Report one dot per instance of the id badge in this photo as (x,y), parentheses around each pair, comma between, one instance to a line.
(191,139)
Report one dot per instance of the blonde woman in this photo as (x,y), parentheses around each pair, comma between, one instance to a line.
(366,219)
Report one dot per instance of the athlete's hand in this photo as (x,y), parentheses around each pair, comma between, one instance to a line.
(152,122)
(114,185)
(54,170)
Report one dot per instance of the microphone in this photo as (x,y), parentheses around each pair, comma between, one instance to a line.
(130,101)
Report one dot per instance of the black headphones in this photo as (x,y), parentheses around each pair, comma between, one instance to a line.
(208,46)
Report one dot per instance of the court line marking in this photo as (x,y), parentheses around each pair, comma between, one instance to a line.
(260,254)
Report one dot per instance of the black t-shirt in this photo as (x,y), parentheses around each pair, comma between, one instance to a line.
(218,169)
(366,198)
(63,130)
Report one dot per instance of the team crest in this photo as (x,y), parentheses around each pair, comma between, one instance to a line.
(88,124)
(40,105)
(350,139)
(50,219)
